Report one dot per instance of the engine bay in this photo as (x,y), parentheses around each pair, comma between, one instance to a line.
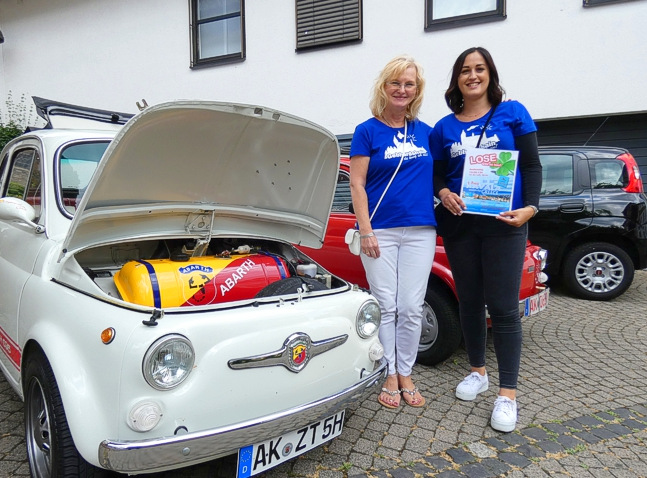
(195,272)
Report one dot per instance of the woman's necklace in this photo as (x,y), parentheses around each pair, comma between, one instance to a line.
(482,113)
(383,118)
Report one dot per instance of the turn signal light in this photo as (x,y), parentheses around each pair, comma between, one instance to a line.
(108,335)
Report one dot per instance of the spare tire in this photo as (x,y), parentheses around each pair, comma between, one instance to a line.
(290,286)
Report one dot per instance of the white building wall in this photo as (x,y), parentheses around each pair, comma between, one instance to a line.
(556,57)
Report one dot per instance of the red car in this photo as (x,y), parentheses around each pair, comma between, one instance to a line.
(441,331)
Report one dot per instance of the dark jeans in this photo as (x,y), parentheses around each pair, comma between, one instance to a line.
(486,259)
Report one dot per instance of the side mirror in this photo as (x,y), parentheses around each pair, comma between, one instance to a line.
(14,209)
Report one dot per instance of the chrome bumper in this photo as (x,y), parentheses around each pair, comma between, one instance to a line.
(146,456)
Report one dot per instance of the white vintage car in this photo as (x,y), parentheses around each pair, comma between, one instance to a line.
(154,313)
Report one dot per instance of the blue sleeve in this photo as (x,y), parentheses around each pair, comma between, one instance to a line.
(360,145)
(436,143)
(524,123)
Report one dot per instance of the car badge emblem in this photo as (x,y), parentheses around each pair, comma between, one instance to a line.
(297,350)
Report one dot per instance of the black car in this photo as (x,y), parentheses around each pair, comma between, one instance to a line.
(592,219)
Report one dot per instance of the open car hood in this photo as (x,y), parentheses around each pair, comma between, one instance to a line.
(199,168)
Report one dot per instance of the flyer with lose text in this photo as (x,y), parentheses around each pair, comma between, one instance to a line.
(488,180)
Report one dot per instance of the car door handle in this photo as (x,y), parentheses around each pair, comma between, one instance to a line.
(571,207)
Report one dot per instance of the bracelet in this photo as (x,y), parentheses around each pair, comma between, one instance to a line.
(370,234)
(534,209)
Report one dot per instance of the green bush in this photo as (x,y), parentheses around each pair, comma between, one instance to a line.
(8,132)
(18,118)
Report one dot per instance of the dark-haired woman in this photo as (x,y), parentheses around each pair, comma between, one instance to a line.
(486,253)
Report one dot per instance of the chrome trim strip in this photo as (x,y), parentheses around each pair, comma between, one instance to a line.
(185,450)
(285,355)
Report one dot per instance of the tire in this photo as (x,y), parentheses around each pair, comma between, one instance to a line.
(291,285)
(598,271)
(441,328)
(50,449)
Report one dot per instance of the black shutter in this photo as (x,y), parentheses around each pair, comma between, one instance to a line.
(322,22)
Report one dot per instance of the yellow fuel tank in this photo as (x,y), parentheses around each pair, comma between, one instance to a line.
(198,281)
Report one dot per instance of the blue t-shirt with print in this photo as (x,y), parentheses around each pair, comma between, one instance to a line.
(450,137)
(410,198)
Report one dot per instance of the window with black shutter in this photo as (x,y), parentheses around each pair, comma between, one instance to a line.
(325,22)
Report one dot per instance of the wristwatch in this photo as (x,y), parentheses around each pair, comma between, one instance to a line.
(534,209)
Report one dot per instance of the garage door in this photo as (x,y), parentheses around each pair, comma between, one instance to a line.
(625,131)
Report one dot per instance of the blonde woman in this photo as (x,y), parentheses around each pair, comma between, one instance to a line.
(391,173)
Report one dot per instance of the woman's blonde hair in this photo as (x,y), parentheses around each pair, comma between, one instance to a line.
(393,70)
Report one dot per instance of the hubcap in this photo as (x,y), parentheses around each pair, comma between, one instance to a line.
(599,272)
(38,430)
(429,328)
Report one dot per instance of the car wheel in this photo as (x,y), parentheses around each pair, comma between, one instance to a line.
(441,329)
(598,271)
(50,449)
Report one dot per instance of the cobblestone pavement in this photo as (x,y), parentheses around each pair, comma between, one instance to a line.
(582,410)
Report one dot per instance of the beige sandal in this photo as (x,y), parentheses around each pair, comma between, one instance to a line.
(412,393)
(392,393)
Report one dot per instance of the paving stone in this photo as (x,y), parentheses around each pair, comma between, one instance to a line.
(535,433)
(496,466)
(530,451)
(496,443)
(550,446)
(618,429)
(460,456)
(622,412)
(555,428)
(589,421)
(480,450)
(634,424)
(476,470)
(402,473)
(514,439)
(572,424)
(605,416)
(515,459)
(438,462)
(603,433)
(568,441)
(587,437)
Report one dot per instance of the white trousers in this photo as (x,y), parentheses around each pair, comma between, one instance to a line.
(398,280)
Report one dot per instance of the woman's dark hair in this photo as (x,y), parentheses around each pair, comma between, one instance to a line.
(453,95)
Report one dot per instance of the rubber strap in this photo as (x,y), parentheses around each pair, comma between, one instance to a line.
(157,298)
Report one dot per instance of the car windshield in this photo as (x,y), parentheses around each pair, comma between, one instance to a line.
(76,166)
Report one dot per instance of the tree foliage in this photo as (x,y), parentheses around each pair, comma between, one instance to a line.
(18,115)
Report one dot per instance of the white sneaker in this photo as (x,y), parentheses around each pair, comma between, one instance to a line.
(471,386)
(504,415)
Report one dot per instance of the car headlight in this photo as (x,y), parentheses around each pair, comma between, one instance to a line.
(541,255)
(168,362)
(368,319)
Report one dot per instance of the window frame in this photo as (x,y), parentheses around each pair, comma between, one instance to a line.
(344,38)
(498,14)
(595,3)
(194,28)
(33,180)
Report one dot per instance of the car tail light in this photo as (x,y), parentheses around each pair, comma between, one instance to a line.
(635,182)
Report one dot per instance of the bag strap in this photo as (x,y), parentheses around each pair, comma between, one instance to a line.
(486,125)
(396,171)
